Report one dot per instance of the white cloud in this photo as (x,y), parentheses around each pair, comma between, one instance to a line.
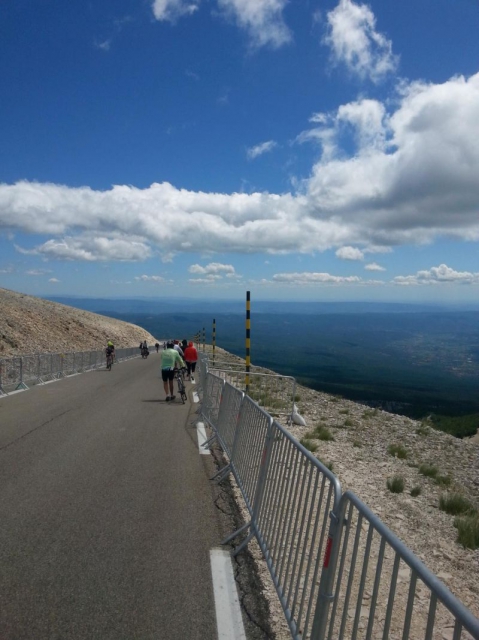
(260,149)
(145,278)
(209,279)
(373,266)
(171,10)
(439,275)
(349,253)
(314,278)
(37,272)
(105,45)
(53,280)
(7,270)
(354,41)
(410,179)
(92,249)
(261,19)
(214,268)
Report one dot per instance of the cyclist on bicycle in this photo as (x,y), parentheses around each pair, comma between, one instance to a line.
(169,359)
(110,352)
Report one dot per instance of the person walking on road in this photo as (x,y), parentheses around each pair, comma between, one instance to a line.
(169,359)
(191,358)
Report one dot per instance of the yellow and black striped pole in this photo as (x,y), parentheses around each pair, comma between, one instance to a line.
(204,339)
(248,338)
(214,340)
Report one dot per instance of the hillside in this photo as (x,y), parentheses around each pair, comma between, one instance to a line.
(32,325)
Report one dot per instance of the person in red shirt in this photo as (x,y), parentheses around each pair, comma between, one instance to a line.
(191,358)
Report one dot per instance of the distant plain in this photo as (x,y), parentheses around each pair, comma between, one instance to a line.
(412,360)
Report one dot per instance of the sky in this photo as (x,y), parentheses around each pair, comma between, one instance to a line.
(300,150)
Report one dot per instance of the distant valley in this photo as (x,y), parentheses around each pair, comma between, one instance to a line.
(405,359)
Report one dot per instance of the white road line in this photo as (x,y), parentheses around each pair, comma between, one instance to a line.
(200,430)
(228,610)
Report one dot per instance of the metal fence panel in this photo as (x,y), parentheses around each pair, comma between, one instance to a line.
(382,590)
(249,449)
(273,392)
(212,400)
(292,525)
(228,417)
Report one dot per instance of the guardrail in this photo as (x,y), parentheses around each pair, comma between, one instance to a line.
(339,572)
(19,372)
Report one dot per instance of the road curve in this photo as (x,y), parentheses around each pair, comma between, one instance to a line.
(107,514)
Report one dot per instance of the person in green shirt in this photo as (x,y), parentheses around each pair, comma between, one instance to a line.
(169,359)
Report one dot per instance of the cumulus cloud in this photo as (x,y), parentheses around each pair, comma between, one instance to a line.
(260,149)
(37,272)
(438,275)
(411,177)
(349,253)
(171,10)
(261,19)
(145,278)
(354,41)
(54,280)
(373,266)
(214,268)
(308,277)
(91,249)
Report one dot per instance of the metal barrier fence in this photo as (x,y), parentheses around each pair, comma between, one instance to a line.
(274,392)
(23,371)
(339,572)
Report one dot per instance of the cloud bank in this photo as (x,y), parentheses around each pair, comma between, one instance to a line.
(411,178)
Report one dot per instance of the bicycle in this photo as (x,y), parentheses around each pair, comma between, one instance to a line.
(180,374)
(109,361)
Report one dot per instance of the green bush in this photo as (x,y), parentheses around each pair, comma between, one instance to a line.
(459,426)
(344,411)
(357,443)
(415,492)
(455,503)
(308,444)
(428,470)
(444,481)
(395,484)
(320,433)
(348,423)
(468,530)
(398,450)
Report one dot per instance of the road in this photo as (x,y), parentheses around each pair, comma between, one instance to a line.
(107,515)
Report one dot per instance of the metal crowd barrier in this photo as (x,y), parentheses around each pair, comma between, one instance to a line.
(23,371)
(273,392)
(339,572)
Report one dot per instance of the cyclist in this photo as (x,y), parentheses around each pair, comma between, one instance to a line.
(110,352)
(157,346)
(176,346)
(191,358)
(169,359)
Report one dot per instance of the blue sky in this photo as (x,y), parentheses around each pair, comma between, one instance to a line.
(300,150)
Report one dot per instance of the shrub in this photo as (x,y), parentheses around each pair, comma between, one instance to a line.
(422,430)
(455,503)
(307,444)
(348,423)
(398,450)
(428,470)
(444,481)
(357,443)
(297,398)
(329,465)
(370,413)
(415,492)
(320,433)
(395,484)
(468,530)
(344,411)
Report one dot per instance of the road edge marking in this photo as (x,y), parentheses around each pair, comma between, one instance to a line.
(229,620)
(202,438)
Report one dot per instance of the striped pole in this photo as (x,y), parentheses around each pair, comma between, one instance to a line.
(204,339)
(248,338)
(214,340)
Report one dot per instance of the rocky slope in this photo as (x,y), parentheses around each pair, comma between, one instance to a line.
(359,455)
(32,325)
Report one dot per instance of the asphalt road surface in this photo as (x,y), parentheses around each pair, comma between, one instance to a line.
(107,515)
